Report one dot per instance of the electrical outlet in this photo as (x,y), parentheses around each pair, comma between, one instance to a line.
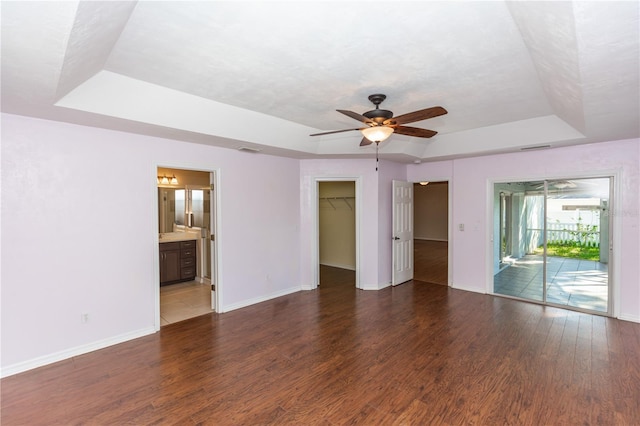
(84,318)
(461,227)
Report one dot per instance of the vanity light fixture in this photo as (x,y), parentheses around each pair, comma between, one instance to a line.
(164,180)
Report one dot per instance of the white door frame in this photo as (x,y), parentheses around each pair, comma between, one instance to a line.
(315,194)
(213,242)
(215,254)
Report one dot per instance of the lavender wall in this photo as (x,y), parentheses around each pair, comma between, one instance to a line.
(388,172)
(471,206)
(79,233)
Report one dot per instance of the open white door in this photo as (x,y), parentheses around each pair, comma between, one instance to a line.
(402,218)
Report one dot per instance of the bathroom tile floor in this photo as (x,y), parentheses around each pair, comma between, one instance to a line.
(183,301)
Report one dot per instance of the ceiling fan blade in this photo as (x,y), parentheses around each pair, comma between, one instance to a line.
(420,115)
(355,116)
(414,131)
(333,131)
(365,142)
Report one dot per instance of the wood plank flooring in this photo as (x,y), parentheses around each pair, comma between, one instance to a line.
(430,261)
(416,354)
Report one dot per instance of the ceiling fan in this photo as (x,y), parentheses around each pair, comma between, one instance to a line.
(381,123)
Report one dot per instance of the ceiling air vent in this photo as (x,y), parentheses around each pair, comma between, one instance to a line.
(248,149)
(533,148)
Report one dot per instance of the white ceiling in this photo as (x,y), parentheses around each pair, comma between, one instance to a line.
(267,74)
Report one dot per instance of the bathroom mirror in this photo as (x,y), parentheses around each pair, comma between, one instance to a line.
(175,205)
(166,209)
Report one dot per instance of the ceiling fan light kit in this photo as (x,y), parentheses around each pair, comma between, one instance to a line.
(377,133)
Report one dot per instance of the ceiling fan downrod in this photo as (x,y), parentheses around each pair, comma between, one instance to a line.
(377,99)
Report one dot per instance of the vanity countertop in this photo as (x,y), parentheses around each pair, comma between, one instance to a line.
(169,237)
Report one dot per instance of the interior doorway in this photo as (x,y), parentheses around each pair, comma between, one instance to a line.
(431,232)
(552,242)
(337,227)
(186,230)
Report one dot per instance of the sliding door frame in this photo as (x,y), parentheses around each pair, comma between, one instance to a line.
(615,232)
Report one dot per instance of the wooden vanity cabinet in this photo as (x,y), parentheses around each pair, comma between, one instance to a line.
(177,261)
(187,260)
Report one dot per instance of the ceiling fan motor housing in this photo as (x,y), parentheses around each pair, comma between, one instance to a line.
(378,115)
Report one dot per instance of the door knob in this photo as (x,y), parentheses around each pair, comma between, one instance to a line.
(396,238)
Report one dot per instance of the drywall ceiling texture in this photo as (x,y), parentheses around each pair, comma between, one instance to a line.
(265,75)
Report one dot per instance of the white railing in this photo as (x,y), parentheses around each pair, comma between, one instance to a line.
(563,233)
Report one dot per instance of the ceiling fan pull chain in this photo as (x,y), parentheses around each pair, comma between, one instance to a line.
(377,161)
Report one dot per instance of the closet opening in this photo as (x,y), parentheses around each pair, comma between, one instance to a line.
(337,224)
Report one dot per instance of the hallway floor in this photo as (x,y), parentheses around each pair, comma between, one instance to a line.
(430,261)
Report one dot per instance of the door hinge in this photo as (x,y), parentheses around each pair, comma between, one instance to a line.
(211,187)
(213,287)
(213,237)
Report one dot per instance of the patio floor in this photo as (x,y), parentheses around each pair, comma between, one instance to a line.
(571,282)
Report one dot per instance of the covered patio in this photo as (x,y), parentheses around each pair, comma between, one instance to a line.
(576,283)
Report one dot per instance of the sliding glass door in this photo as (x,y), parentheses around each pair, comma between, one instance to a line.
(551,240)
(519,272)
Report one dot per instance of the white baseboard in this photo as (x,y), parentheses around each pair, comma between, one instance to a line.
(334,265)
(255,300)
(471,289)
(632,318)
(374,287)
(20,367)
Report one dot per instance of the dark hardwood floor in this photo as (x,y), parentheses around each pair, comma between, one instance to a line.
(430,261)
(417,354)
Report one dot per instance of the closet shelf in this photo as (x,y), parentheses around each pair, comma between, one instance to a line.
(345,199)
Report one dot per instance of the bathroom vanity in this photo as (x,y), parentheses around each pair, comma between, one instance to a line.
(177,259)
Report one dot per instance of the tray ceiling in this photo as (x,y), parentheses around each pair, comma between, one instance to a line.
(265,75)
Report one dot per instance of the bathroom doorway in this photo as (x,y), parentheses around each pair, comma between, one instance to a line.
(186,239)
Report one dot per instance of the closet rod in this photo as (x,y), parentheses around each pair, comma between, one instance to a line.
(328,199)
(335,198)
